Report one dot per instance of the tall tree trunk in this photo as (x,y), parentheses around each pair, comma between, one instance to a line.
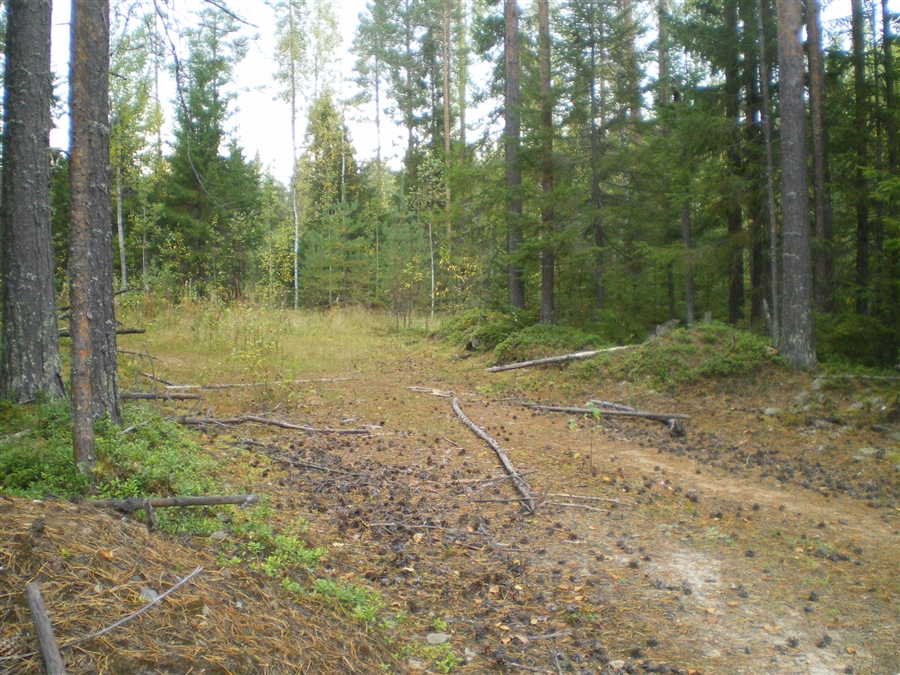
(445,67)
(547,216)
(771,214)
(797,340)
(690,312)
(462,70)
(890,101)
(30,336)
(596,194)
(862,157)
(512,133)
(733,214)
(821,180)
(120,228)
(93,325)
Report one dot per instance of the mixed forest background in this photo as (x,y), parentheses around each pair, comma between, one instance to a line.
(631,171)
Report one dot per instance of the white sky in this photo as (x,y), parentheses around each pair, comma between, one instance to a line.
(261,121)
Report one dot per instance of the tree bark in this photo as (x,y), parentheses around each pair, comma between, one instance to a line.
(93,325)
(862,157)
(797,340)
(512,133)
(821,181)
(30,353)
(547,215)
(771,215)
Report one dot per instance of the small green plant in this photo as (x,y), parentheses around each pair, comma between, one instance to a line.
(363,604)
(439,625)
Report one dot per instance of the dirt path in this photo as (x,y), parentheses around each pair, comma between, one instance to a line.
(703,566)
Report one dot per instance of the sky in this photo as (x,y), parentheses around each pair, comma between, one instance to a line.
(261,121)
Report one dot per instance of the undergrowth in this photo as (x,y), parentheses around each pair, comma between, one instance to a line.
(154,458)
(685,356)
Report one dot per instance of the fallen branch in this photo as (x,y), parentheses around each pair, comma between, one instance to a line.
(150,396)
(556,359)
(611,413)
(138,503)
(46,639)
(434,392)
(675,427)
(120,331)
(136,614)
(495,479)
(565,495)
(579,506)
(511,470)
(248,419)
(241,385)
(141,354)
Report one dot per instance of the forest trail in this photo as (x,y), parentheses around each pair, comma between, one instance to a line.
(706,566)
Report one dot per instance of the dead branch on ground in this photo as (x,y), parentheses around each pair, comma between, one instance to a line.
(150,396)
(562,358)
(138,503)
(243,385)
(511,470)
(248,419)
(53,661)
(671,420)
(675,427)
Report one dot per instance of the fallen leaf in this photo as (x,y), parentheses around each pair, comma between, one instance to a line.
(521,639)
(106,553)
(506,640)
(850,650)
(494,589)
(417,537)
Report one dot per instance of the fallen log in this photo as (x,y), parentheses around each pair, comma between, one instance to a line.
(556,359)
(150,396)
(44,628)
(248,419)
(138,503)
(676,428)
(515,476)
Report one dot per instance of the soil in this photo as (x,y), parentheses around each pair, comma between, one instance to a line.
(764,540)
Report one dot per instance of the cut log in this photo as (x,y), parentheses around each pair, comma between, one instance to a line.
(528,499)
(248,419)
(138,503)
(53,661)
(150,396)
(556,359)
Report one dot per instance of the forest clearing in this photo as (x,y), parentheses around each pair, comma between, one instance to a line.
(763,540)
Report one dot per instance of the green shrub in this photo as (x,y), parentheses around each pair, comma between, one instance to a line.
(482,330)
(157,458)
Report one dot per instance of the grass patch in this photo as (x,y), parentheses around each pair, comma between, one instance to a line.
(542,340)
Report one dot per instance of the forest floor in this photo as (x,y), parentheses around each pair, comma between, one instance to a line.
(766,540)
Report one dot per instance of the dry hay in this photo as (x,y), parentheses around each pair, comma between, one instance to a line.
(92,566)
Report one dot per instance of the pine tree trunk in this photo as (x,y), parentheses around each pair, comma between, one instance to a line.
(596,195)
(30,353)
(93,325)
(797,340)
(547,216)
(771,215)
(512,133)
(821,181)
(445,68)
(733,213)
(862,157)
